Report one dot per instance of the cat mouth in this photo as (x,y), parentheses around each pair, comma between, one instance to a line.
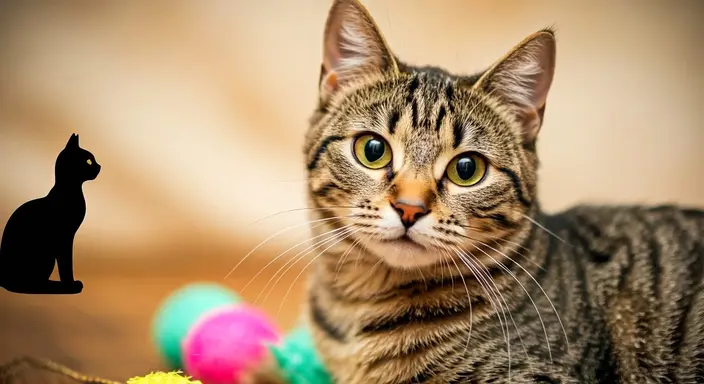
(404,240)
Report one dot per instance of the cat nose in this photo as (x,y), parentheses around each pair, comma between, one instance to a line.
(410,212)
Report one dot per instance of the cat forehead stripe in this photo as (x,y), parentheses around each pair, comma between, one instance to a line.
(321,149)
(457,133)
(393,121)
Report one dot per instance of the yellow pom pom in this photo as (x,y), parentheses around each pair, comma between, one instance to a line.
(163,378)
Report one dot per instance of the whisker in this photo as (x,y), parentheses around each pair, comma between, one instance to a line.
(300,209)
(545,229)
(370,236)
(272,261)
(443,262)
(346,235)
(300,256)
(527,258)
(446,251)
(302,180)
(471,315)
(496,239)
(515,326)
(342,260)
(276,234)
(373,268)
(494,300)
(420,271)
(531,299)
(472,227)
(519,245)
(552,305)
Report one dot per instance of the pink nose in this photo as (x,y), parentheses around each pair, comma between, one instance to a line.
(409,213)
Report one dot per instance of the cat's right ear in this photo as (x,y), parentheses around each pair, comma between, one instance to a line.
(522,78)
(353,47)
(72,141)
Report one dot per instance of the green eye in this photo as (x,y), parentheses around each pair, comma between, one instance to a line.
(372,151)
(89,162)
(466,169)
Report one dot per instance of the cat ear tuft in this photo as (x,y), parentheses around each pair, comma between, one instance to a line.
(522,79)
(353,47)
(72,141)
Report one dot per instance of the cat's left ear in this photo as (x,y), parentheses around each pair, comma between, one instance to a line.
(522,79)
(72,141)
(353,47)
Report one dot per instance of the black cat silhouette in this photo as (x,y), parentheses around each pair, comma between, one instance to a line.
(40,232)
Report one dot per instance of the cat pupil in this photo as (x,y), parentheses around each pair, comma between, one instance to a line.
(466,168)
(373,150)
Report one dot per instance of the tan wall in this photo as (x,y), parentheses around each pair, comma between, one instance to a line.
(196,110)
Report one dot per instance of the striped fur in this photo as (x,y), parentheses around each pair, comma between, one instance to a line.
(501,292)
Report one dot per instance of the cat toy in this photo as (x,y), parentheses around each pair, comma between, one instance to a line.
(209,332)
(8,373)
(163,378)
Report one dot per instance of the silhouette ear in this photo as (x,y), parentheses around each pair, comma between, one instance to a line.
(353,47)
(72,141)
(522,79)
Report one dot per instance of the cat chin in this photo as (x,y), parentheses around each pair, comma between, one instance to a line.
(403,254)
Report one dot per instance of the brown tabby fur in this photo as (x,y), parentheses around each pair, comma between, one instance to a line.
(595,294)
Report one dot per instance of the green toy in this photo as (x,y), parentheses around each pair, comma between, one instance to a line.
(298,359)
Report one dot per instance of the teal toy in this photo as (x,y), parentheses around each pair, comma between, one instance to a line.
(298,360)
(181,310)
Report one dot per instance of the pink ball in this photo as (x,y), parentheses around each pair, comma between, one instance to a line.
(227,343)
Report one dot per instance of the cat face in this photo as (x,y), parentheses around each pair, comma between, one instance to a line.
(75,164)
(418,164)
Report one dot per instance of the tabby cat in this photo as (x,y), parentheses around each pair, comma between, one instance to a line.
(439,265)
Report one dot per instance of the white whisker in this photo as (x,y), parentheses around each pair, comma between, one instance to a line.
(531,299)
(342,260)
(447,251)
(272,261)
(276,234)
(297,210)
(545,229)
(515,326)
(346,235)
(299,256)
(495,301)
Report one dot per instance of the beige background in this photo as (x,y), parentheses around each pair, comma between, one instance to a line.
(196,110)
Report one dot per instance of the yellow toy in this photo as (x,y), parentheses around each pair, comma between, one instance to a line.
(10,369)
(163,378)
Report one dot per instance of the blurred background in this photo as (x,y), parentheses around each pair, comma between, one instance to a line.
(196,110)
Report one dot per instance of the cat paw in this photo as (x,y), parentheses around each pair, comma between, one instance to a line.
(75,286)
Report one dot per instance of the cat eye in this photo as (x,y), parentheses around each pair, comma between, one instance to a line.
(372,151)
(466,169)
(89,162)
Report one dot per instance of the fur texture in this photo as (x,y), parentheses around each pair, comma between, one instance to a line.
(482,286)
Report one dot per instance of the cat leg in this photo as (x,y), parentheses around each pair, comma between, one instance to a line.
(65,264)
(40,284)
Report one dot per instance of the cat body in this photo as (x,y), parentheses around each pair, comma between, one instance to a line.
(629,295)
(40,233)
(439,265)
